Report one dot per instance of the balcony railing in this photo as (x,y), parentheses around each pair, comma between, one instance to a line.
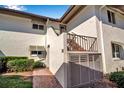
(81,43)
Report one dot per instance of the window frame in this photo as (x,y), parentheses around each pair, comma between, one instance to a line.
(34,26)
(116,51)
(61,26)
(39,26)
(37,53)
(33,54)
(111,17)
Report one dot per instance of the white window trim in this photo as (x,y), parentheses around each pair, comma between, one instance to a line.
(35,55)
(115,54)
(38,26)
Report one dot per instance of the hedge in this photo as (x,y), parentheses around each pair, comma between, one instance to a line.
(38,64)
(4,60)
(118,78)
(8,58)
(3,67)
(20,65)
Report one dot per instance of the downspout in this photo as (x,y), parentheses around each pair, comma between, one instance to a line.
(47,22)
(101,39)
(46,43)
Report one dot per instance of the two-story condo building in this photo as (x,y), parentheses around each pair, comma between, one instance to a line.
(78,48)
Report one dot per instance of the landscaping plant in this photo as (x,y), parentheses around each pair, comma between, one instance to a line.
(38,64)
(118,78)
(4,61)
(20,65)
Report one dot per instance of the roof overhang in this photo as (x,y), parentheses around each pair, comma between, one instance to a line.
(71,13)
(117,8)
(25,14)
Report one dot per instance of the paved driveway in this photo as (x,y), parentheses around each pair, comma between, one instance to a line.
(43,78)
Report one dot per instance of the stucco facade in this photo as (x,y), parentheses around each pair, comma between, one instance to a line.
(112,33)
(84,22)
(93,21)
(17,35)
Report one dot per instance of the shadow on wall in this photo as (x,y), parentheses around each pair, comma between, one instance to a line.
(79,75)
(30,31)
(1,54)
(119,23)
(115,25)
(81,19)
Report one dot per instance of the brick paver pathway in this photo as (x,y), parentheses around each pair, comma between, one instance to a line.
(43,78)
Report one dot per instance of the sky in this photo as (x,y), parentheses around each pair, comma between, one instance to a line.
(53,11)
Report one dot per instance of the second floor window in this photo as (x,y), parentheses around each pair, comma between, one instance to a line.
(62,28)
(111,17)
(36,26)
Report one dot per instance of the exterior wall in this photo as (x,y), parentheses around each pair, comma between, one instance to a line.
(87,22)
(111,33)
(55,54)
(55,26)
(16,35)
(84,23)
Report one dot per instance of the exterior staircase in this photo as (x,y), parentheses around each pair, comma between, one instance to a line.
(81,43)
(73,46)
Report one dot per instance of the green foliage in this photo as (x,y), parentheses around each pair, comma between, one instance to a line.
(39,64)
(14,82)
(120,82)
(118,78)
(20,65)
(114,76)
(8,58)
(4,61)
(2,66)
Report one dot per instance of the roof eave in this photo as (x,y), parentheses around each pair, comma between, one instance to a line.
(28,14)
(67,12)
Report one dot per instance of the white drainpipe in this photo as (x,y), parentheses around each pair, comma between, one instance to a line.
(46,45)
(101,39)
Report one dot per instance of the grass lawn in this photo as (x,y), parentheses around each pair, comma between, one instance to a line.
(14,81)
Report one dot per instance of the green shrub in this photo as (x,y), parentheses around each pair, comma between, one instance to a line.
(38,64)
(120,82)
(20,65)
(3,67)
(114,76)
(118,78)
(9,58)
(4,61)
